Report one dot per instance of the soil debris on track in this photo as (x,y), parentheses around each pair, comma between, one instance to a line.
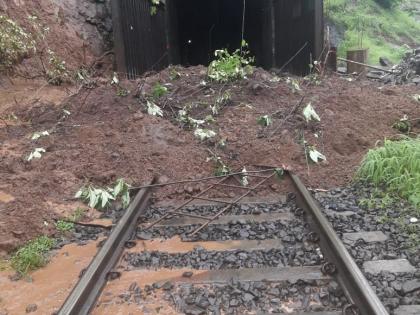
(253,258)
(107,136)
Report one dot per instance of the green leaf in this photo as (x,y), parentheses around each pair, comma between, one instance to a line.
(79,193)
(93,199)
(244,178)
(125,199)
(265,120)
(316,156)
(153,109)
(279,172)
(310,113)
(118,187)
(38,135)
(36,154)
(204,134)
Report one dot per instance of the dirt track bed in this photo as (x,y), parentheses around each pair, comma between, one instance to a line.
(108,137)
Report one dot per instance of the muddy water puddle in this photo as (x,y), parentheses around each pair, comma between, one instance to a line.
(176,245)
(48,286)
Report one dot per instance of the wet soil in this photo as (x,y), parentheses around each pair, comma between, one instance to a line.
(47,287)
(107,137)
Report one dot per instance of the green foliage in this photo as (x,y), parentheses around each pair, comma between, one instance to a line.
(154,6)
(36,154)
(310,114)
(57,72)
(64,226)
(15,43)
(95,197)
(294,84)
(153,109)
(402,125)
(384,31)
(222,100)
(220,168)
(264,120)
(204,134)
(123,92)
(33,255)
(78,214)
(100,198)
(396,165)
(159,90)
(122,189)
(229,67)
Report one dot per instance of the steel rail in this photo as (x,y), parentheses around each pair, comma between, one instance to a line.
(84,295)
(350,277)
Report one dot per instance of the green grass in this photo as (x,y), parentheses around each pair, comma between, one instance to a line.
(383,31)
(396,166)
(32,255)
(394,169)
(64,226)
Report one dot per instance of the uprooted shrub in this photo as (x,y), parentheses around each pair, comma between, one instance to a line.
(228,67)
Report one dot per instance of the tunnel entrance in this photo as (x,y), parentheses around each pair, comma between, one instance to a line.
(188,32)
(207,25)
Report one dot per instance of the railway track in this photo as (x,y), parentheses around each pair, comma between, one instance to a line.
(237,255)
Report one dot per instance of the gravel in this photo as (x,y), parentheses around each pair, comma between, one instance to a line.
(244,297)
(293,231)
(154,213)
(341,207)
(200,258)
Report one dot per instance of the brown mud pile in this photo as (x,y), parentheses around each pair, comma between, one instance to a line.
(107,137)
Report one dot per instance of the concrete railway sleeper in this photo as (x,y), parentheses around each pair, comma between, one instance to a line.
(226,256)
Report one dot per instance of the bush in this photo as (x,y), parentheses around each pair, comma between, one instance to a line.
(228,67)
(396,166)
(15,43)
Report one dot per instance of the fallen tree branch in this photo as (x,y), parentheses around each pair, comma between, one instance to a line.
(287,116)
(366,65)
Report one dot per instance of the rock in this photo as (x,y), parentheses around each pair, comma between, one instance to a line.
(187,274)
(167,286)
(138,115)
(115,155)
(342,70)
(385,62)
(163,179)
(31,308)
(375,74)
(247,297)
(144,236)
(234,302)
(410,286)
(416,80)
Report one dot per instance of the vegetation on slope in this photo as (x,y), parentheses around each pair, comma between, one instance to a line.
(396,165)
(385,30)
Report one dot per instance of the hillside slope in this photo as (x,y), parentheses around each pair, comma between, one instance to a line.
(386,32)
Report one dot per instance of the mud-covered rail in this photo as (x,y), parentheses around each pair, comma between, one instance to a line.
(214,231)
(84,295)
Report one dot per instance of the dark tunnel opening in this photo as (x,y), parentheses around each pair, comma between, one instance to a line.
(208,25)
